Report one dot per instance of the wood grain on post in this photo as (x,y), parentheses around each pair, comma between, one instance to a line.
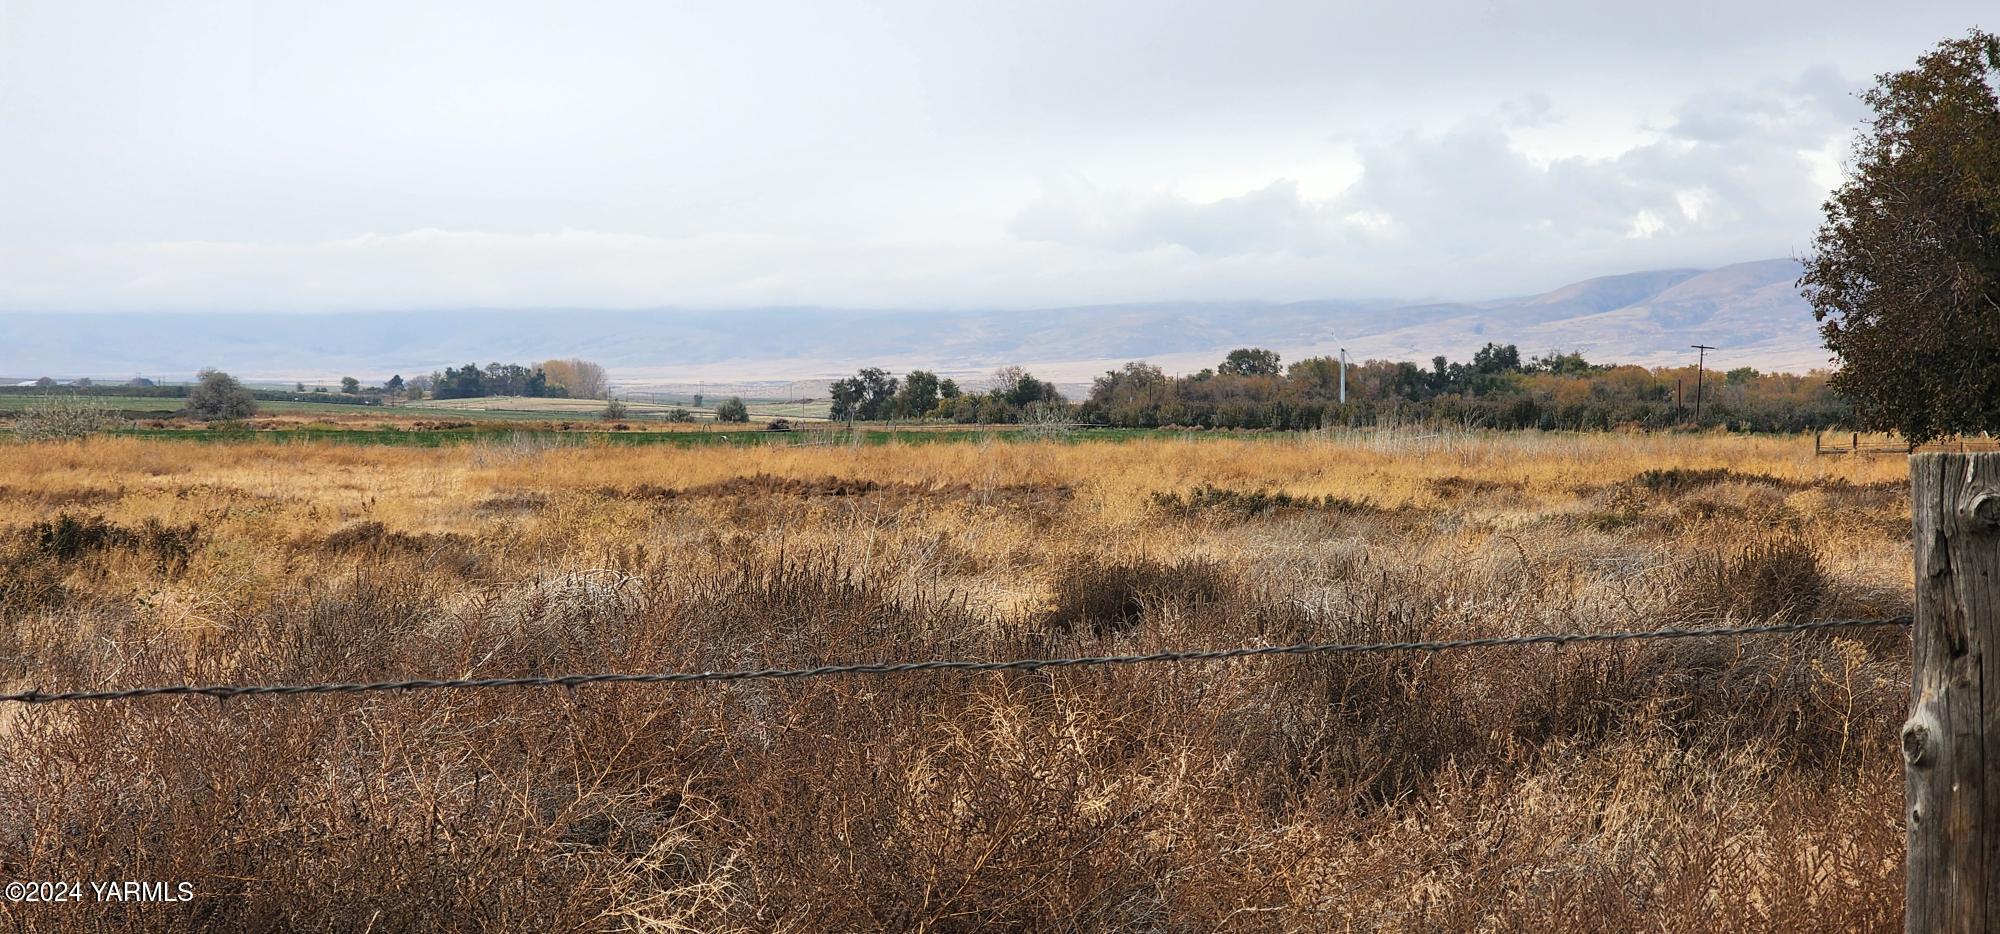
(1953,732)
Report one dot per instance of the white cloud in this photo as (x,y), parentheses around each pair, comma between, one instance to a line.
(1733,177)
(1462,212)
(625,153)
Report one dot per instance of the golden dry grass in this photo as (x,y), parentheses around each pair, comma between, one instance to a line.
(1748,784)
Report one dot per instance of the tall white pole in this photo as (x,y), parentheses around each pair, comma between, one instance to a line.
(1343,376)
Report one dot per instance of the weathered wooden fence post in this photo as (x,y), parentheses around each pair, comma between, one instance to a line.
(1951,744)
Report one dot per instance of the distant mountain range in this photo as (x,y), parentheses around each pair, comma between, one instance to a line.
(1751,312)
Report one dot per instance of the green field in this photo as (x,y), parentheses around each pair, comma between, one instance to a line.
(535,409)
(165,406)
(493,408)
(499,436)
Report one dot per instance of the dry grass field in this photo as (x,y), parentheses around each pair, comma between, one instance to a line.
(1744,784)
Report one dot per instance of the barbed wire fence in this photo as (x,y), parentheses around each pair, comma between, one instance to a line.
(227,691)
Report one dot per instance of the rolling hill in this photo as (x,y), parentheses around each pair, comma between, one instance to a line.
(1751,311)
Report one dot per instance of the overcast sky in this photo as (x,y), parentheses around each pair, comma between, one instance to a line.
(387,155)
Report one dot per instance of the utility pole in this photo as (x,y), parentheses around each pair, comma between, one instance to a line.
(1700,362)
(1343,376)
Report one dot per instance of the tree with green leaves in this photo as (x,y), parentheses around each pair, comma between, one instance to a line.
(1497,358)
(217,395)
(1250,361)
(350,385)
(1905,272)
(732,409)
(919,395)
(866,396)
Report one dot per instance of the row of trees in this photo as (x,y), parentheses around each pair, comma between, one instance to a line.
(85,382)
(1494,389)
(562,379)
(1253,388)
(874,395)
(496,379)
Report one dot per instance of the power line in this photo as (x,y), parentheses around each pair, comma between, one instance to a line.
(1700,364)
(226,691)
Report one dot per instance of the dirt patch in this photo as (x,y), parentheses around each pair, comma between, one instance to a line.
(206,491)
(1673,481)
(375,538)
(1209,499)
(1114,596)
(1456,488)
(88,496)
(766,486)
(512,501)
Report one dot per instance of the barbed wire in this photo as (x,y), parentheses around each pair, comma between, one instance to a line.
(226,691)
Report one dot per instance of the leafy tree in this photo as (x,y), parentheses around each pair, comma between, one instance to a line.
(467,382)
(1249,361)
(918,396)
(1497,358)
(732,409)
(866,395)
(217,395)
(394,385)
(1905,271)
(1562,364)
(1317,376)
(350,385)
(1131,379)
(614,410)
(697,400)
(46,382)
(1019,388)
(1130,395)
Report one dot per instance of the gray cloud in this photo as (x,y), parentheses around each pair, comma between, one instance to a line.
(911,153)
(1732,175)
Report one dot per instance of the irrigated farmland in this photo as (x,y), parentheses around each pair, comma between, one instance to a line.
(1744,783)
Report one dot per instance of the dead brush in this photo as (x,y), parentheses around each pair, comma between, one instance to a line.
(803,608)
(1206,499)
(69,539)
(371,540)
(28,581)
(1753,784)
(1778,578)
(1106,597)
(1674,481)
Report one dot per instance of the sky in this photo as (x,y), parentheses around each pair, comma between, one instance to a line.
(263,156)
